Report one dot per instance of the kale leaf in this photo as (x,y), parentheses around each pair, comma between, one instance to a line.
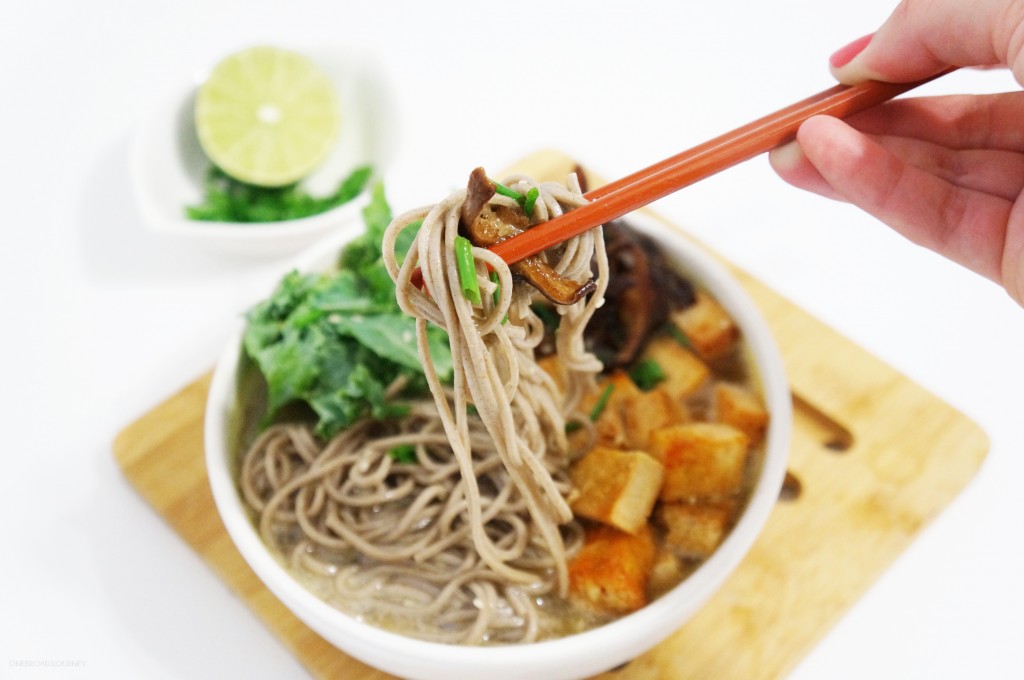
(336,341)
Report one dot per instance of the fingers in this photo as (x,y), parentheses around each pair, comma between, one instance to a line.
(998,173)
(1013,254)
(963,224)
(791,164)
(957,122)
(922,37)
(992,171)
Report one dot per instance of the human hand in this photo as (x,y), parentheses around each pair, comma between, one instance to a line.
(946,172)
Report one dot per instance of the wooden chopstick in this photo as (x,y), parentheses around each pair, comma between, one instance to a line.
(648,185)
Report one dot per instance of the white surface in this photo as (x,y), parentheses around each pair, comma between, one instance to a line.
(103,319)
(567,658)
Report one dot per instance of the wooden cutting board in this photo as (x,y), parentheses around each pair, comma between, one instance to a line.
(877,457)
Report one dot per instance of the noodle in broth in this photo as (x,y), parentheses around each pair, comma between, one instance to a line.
(465,542)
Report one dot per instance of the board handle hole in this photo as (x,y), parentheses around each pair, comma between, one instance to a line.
(832,435)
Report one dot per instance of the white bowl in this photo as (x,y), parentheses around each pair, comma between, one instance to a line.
(575,656)
(168,165)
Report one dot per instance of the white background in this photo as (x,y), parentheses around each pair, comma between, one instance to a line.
(102,320)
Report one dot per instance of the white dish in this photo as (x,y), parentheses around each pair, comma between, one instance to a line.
(168,166)
(575,656)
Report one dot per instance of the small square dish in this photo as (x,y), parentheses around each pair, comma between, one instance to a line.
(169,168)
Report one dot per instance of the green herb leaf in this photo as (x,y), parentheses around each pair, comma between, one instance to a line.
(403,453)
(647,373)
(405,239)
(677,333)
(228,200)
(548,316)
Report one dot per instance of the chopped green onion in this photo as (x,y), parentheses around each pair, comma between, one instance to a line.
(496,296)
(467,269)
(526,202)
(511,193)
(403,453)
(680,337)
(596,411)
(646,374)
(497,291)
(602,402)
(547,315)
(531,200)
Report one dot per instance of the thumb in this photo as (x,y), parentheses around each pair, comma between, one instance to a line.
(923,37)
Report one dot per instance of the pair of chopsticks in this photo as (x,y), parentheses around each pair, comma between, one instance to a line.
(648,185)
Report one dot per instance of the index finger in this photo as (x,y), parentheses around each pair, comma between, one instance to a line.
(967,226)
(955,121)
(922,37)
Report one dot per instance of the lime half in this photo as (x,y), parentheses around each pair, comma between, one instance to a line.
(266,116)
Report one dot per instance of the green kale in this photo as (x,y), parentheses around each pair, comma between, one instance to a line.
(403,453)
(336,341)
(228,200)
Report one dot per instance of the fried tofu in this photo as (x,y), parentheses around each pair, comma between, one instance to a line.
(694,531)
(708,327)
(618,488)
(623,388)
(553,366)
(702,460)
(609,427)
(666,572)
(645,412)
(611,571)
(737,406)
(685,373)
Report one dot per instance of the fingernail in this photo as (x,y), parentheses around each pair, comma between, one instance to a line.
(844,55)
(787,156)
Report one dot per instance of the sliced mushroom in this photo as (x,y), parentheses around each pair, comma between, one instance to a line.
(486,225)
(479,191)
(554,286)
(642,289)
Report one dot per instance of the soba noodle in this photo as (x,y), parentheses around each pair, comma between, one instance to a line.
(465,543)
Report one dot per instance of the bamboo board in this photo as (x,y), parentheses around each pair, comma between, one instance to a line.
(877,456)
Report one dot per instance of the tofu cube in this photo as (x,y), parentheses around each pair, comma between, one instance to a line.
(623,388)
(609,428)
(740,407)
(708,326)
(555,368)
(611,571)
(618,488)
(694,531)
(685,373)
(702,460)
(666,572)
(645,412)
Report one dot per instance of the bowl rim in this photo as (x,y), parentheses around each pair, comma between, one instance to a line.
(620,640)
